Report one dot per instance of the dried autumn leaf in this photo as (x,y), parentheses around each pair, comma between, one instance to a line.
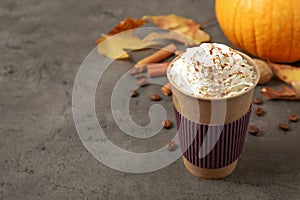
(181,25)
(296,86)
(265,71)
(101,39)
(127,24)
(286,73)
(283,93)
(113,46)
(171,35)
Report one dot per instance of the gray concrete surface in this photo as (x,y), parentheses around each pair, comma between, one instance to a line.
(41,156)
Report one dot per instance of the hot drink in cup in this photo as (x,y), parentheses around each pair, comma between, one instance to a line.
(212,86)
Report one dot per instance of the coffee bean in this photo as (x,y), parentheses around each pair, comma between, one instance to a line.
(259,111)
(155,97)
(167,124)
(258,101)
(293,118)
(253,130)
(284,126)
(133,93)
(171,146)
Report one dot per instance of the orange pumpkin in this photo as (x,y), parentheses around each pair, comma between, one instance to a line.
(269,29)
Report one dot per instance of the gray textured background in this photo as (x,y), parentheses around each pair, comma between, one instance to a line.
(41,156)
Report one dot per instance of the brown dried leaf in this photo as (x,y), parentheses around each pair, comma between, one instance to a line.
(181,25)
(283,93)
(127,24)
(113,46)
(265,70)
(286,73)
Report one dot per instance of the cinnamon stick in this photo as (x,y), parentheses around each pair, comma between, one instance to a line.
(141,68)
(157,56)
(139,75)
(178,52)
(142,82)
(157,71)
(158,65)
(166,89)
(133,71)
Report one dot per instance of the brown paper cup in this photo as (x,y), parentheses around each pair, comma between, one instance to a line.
(212,131)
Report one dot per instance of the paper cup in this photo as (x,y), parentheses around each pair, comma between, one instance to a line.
(212,131)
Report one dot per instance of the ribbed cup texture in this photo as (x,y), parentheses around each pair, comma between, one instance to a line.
(226,150)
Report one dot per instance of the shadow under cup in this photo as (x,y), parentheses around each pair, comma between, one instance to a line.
(212,131)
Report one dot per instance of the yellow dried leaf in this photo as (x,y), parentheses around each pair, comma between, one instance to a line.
(113,46)
(296,86)
(181,25)
(286,73)
(102,38)
(171,35)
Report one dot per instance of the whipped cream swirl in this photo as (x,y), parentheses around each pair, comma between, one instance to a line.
(212,70)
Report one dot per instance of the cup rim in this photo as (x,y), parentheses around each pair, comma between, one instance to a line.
(249,60)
